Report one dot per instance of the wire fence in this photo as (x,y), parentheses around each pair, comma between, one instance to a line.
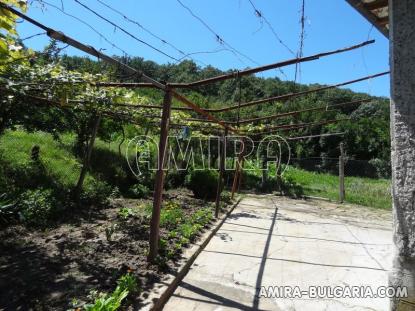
(374,168)
(365,182)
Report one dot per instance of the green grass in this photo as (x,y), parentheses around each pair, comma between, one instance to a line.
(359,190)
(59,163)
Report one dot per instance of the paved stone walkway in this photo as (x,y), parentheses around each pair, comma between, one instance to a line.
(272,241)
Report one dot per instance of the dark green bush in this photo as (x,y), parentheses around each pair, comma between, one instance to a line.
(95,192)
(37,207)
(176,179)
(138,191)
(203,183)
(382,168)
(226,197)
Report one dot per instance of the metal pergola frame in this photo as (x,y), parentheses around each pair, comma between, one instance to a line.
(170,92)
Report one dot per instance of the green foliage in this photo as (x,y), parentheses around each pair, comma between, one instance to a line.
(128,282)
(37,207)
(7,209)
(171,215)
(364,191)
(106,302)
(289,186)
(109,231)
(189,231)
(202,216)
(95,192)
(125,213)
(10,49)
(382,168)
(58,166)
(176,179)
(203,183)
(226,197)
(110,302)
(185,231)
(138,191)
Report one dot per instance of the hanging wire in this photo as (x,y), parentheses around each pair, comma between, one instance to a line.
(263,19)
(86,24)
(369,82)
(125,31)
(301,47)
(33,36)
(240,98)
(162,40)
(218,38)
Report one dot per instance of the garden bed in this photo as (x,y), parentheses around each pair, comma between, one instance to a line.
(59,268)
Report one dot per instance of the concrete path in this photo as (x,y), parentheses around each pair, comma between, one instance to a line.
(272,241)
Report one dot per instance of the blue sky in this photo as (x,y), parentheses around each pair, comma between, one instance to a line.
(330,24)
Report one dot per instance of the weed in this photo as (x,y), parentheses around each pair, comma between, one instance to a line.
(128,282)
(162,244)
(171,215)
(109,231)
(125,213)
(36,207)
(108,302)
(202,216)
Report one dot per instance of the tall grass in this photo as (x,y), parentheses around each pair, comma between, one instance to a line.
(59,163)
(359,190)
(61,167)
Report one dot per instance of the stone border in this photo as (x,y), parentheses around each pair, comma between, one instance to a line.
(156,301)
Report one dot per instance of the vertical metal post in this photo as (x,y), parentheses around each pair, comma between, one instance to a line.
(159,182)
(341,175)
(240,175)
(264,178)
(221,171)
(237,170)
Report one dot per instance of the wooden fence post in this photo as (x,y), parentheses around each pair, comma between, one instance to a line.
(159,181)
(87,158)
(341,175)
(221,172)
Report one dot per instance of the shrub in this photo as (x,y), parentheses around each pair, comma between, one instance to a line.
(203,183)
(176,179)
(37,207)
(138,191)
(95,192)
(382,167)
(226,197)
